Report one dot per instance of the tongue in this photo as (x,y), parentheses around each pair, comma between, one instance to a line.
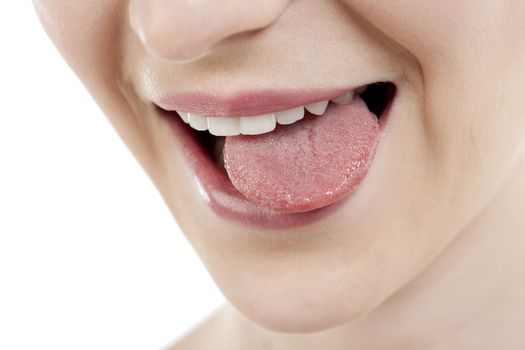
(306,165)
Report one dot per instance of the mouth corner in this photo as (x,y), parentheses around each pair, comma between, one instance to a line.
(378,97)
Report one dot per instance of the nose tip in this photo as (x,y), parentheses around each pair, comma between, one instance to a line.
(184,30)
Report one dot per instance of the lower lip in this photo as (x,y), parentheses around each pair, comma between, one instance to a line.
(216,189)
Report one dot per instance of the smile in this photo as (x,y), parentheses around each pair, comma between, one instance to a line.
(260,124)
(279,159)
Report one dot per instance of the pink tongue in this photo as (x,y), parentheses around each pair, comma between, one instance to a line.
(306,165)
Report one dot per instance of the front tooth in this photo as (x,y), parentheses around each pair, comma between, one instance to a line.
(317,108)
(344,98)
(184,117)
(290,116)
(198,122)
(257,125)
(224,126)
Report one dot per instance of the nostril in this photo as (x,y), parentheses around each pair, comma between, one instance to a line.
(185,30)
(175,47)
(169,38)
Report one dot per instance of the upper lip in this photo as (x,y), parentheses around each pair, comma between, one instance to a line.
(245,103)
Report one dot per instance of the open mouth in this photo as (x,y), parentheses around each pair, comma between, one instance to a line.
(292,162)
(376,96)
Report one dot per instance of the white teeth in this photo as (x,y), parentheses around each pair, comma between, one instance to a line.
(344,98)
(257,125)
(198,122)
(317,108)
(290,116)
(224,126)
(184,116)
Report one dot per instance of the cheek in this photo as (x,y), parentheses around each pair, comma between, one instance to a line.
(468,53)
(85,32)
(417,24)
(90,35)
(428,29)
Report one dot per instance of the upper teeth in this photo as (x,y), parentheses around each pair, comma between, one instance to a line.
(255,125)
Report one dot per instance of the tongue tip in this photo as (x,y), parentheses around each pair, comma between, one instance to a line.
(301,206)
(291,203)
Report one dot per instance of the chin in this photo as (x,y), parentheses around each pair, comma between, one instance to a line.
(301,308)
(299,316)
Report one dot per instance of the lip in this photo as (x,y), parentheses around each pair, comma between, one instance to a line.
(245,103)
(216,189)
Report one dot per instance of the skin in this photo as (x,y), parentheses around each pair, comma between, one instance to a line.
(428,253)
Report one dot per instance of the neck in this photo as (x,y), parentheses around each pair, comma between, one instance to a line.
(471,297)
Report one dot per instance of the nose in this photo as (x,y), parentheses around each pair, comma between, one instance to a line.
(184,30)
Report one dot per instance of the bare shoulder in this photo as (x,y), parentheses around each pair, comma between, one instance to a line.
(207,334)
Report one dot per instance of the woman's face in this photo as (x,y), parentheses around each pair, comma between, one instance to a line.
(452,134)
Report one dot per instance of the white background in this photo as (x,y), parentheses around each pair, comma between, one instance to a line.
(90,258)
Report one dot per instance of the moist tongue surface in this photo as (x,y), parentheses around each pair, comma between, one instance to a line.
(306,165)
